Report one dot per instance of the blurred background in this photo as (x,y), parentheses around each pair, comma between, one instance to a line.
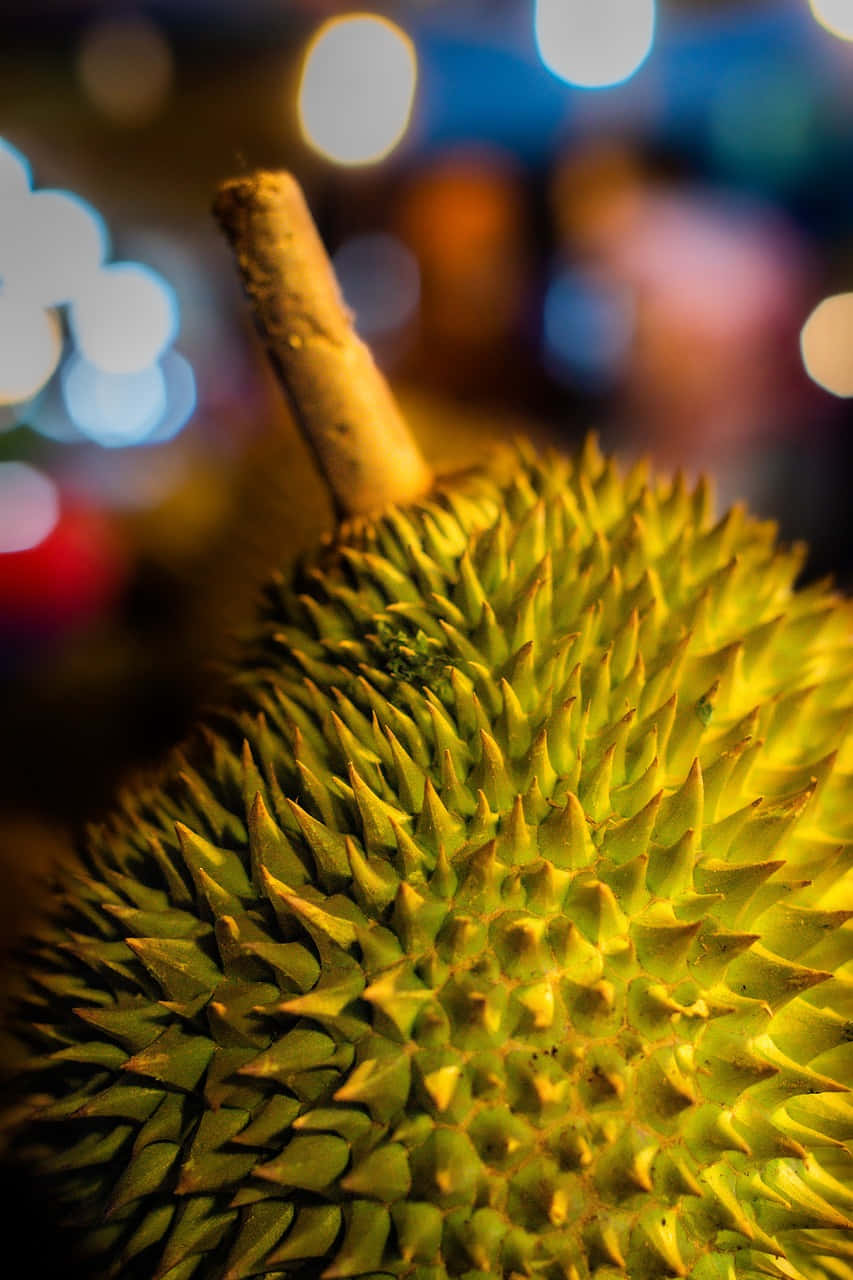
(547,215)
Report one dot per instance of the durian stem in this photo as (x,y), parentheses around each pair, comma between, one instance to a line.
(339,397)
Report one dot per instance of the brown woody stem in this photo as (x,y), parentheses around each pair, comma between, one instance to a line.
(339,397)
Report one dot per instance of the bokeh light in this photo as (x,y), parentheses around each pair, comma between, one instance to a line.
(380,281)
(826,343)
(835,15)
(114,409)
(357,88)
(124,317)
(594,45)
(764,123)
(15,173)
(30,347)
(46,413)
(50,243)
(587,329)
(181,398)
(126,68)
(29,507)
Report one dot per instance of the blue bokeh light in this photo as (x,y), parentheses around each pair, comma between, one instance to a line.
(181,398)
(114,409)
(587,329)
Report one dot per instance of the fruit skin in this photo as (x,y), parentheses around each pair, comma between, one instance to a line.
(500,927)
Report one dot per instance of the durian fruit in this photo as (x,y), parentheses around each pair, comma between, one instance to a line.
(500,927)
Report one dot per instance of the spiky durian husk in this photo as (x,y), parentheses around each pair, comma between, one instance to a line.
(513,941)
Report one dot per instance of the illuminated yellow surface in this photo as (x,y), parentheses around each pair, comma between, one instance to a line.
(826,342)
(357,89)
(594,45)
(835,15)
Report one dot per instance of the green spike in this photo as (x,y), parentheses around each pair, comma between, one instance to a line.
(454,795)
(660,1229)
(398,995)
(383,1174)
(177,1057)
(380,1084)
(311,1236)
(662,945)
(445,1168)
(166,1124)
(262,1226)
(489,638)
(272,1119)
(410,776)
(179,966)
(354,750)
(459,646)
(145,1174)
(349,1123)
(309,1162)
(206,1168)
(736,882)
(220,820)
(396,719)
(564,737)
(624,840)
(412,861)
(595,787)
(436,826)
(221,865)
(791,931)
(94,1148)
(491,775)
(367,1229)
(152,1229)
(443,881)
(319,923)
(523,676)
(763,832)
(374,880)
(513,728)
(480,876)
(592,906)
(327,1003)
(177,889)
(670,871)
(469,594)
(133,1026)
(537,764)
(517,840)
(760,974)
(291,959)
(328,848)
(564,837)
(270,848)
(375,815)
(318,794)
(418,1226)
(470,716)
(417,919)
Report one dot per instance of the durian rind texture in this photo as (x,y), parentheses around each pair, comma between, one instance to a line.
(500,929)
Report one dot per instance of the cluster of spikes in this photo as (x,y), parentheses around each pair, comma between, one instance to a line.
(501,928)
